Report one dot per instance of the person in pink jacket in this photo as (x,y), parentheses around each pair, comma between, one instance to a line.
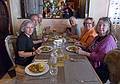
(102,44)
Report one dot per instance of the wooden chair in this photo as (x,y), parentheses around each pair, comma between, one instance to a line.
(10,43)
(112,59)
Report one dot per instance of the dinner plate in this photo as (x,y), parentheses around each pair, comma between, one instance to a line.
(45,50)
(39,73)
(71,48)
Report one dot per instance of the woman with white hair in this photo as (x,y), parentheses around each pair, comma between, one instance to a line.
(24,44)
(72,30)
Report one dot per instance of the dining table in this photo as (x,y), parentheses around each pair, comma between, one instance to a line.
(75,69)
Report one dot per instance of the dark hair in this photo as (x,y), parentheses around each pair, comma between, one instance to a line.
(89,18)
(106,19)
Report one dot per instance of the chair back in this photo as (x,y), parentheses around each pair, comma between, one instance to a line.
(10,43)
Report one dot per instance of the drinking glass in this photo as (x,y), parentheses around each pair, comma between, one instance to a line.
(53,70)
(53,67)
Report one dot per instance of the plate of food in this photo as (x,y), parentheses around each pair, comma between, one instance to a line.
(46,48)
(37,68)
(72,48)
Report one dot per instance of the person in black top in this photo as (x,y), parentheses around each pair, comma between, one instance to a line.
(24,44)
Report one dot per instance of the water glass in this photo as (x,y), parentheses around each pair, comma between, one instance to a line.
(53,70)
(53,64)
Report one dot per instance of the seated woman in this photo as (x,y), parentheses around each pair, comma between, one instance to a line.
(72,30)
(102,44)
(87,34)
(24,44)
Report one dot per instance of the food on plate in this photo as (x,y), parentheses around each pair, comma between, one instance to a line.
(46,48)
(50,39)
(37,68)
(72,48)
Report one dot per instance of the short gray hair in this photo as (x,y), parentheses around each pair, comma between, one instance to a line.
(72,18)
(24,25)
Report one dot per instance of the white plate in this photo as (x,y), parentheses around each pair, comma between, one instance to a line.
(68,48)
(36,74)
(51,48)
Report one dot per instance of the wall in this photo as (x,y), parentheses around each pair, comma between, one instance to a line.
(15,12)
(98,8)
(58,24)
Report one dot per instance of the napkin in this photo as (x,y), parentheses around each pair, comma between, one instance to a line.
(41,60)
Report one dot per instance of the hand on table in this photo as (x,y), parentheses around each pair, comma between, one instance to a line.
(82,52)
(77,43)
(38,51)
(78,49)
(45,38)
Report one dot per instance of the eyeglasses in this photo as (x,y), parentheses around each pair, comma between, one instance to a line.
(30,27)
(101,24)
(88,23)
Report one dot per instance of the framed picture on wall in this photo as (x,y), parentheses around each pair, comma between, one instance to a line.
(62,9)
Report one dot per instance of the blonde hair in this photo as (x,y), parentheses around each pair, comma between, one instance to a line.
(89,18)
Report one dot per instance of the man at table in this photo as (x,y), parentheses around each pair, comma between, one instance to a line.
(38,31)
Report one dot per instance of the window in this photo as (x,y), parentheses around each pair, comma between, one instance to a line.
(55,8)
(114,11)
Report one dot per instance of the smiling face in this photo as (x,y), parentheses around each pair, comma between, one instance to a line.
(103,27)
(29,29)
(88,24)
(35,19)
(73,21)
(40,17)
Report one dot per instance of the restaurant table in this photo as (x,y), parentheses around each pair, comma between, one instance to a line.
(79,71)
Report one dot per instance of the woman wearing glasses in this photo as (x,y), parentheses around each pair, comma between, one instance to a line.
(88,33)
(101,45)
